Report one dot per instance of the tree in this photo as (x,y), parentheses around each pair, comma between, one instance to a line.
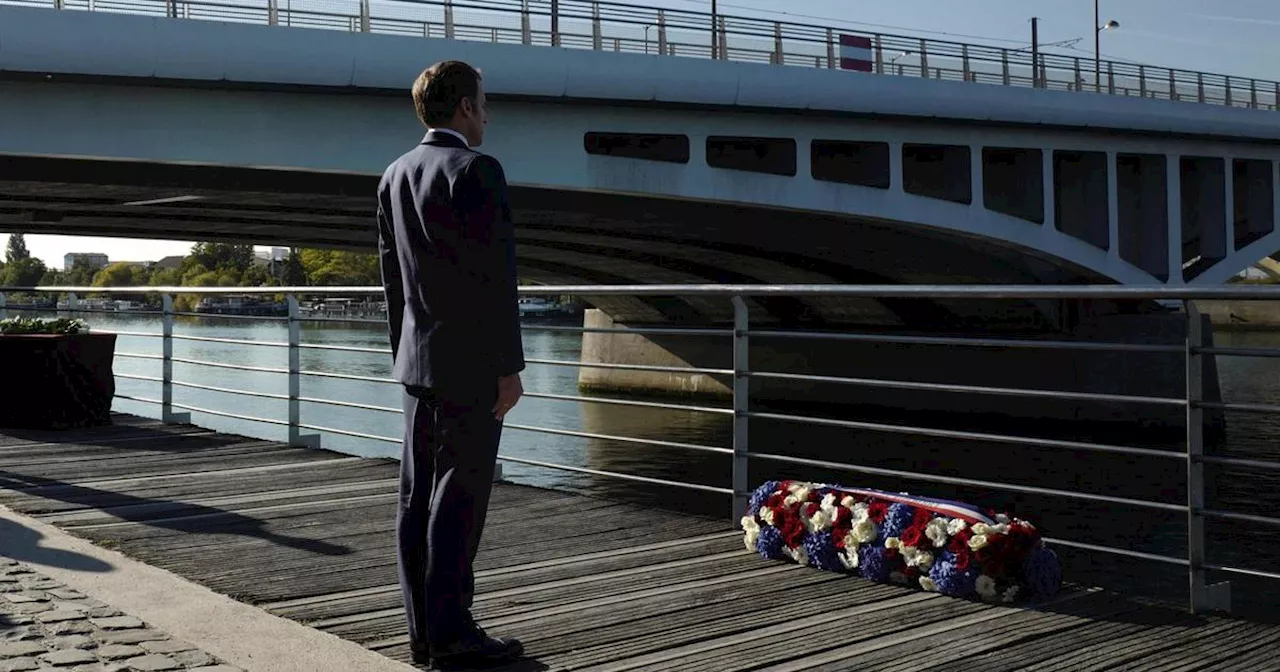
(294,274)
(118,274)
(17,249)
(222,256)
(23,272)
(80,274)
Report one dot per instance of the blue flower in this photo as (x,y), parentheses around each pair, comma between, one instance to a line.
(897,518)
(759,497)
(769,544)
(822,552)
(950,580)
(1042,573)
(872,562)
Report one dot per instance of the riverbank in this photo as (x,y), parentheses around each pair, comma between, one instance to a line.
(1242,315)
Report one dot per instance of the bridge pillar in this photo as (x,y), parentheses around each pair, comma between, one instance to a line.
(1086,371)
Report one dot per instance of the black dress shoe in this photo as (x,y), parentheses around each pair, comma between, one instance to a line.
(474,649)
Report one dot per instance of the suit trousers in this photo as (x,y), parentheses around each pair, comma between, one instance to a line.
(446,477)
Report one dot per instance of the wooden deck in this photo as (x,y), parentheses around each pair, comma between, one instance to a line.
(587,584)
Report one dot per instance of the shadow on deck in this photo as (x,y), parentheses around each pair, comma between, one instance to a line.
(586,583)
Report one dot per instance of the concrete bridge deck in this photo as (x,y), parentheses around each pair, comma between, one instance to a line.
(587,583)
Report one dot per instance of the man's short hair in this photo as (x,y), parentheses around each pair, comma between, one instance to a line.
(440,89)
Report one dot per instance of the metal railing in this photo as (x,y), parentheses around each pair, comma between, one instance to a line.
(619,27)
(1203,597)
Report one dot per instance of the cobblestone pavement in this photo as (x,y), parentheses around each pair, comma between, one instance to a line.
(45,625)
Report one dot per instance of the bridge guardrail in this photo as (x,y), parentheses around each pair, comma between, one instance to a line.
(1202,596)
(621,27)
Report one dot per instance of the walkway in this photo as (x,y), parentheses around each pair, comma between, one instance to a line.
(588,584)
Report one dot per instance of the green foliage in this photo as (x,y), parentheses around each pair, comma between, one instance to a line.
(23,272)
(333,267)
(36,325)
(16,250)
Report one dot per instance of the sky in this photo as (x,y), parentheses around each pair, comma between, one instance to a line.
(1229,36)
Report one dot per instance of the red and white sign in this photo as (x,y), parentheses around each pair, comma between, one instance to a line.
(856,54)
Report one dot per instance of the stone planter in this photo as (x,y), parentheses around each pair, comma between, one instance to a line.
(56,381)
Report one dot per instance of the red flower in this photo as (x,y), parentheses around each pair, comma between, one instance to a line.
(877,511)
(775,500)
(808,509)
(960,541)
(912,535)
(922,517)
(814,496)
(963,559)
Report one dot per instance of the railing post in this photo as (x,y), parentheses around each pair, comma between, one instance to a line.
(1111,78)
(1200,85)
(364,16)
(662,32)
(1253,94)
(741,395)
(555,23)
(831,49)
(526,30)
(724,39)
(1204,598)
(448,19)
(879,55)
(273,13)
(57,4)
(4,315)
(596,39)
(296,437)
(964,61)
(166,366)
(1079,79)
(1142,81)
(1173,85)
(777,44)
(73,302)
(1004,64)
(170,8)
(924,59)
(1228,91)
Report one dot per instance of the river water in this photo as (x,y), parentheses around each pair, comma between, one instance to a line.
(1235,544)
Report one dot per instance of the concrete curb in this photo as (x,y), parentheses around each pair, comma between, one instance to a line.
(238,633)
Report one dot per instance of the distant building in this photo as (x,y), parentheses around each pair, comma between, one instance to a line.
(271,257)
(95,259)
(174,261)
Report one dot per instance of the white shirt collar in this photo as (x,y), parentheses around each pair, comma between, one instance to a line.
(454,133)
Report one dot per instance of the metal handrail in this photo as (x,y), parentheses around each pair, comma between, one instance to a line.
(741,333)
(634,28)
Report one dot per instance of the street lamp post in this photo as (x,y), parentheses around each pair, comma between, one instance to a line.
(1098,27)
(715,34)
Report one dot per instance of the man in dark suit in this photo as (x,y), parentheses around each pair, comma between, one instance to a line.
(447,251)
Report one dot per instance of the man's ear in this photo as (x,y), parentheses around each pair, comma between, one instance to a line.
(467,106)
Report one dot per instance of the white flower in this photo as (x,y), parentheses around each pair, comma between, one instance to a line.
(799,554)
(861,512)
(892,542)
(1002,528)
(766,515)
(849,557)
(1011,594)
(848,501)
(752,530)
(986,586)
(924,560)
(956,526)
(936,530)
(830,507)
(980,528)
(791,500)
(817,522)
(928,584)
(863,533)
(977,541)
(801,494)
(909,554)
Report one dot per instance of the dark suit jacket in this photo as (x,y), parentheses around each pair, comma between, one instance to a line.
(447,251)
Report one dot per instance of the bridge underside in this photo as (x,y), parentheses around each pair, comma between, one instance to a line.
(565,237)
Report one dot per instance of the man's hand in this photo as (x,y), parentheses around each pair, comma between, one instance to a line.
(510,389)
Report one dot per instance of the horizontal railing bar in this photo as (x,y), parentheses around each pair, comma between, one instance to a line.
(130,376)
(1241,352)
(1238,462)
(614,474)
(1118,551)
(627,402)
(219,365)
(1239,570)
(347,432)
(631,367)
(1242,517)
(968,342)
(360,320)
(639,331)
(1149,292)
(138,355)
(350,404)
(225,414)
(620,439)
(345,348)
(232,316)
(228,390)
(230,341)
(1247,408)
(953,480)
(141,334)
(971,389)
(350,376)
(971,436)
(145,400)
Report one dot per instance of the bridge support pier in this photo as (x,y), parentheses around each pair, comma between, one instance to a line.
(1085,371)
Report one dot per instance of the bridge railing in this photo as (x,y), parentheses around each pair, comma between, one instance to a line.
(738,337)
(621,27)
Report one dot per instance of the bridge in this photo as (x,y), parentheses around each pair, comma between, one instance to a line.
(628,171)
